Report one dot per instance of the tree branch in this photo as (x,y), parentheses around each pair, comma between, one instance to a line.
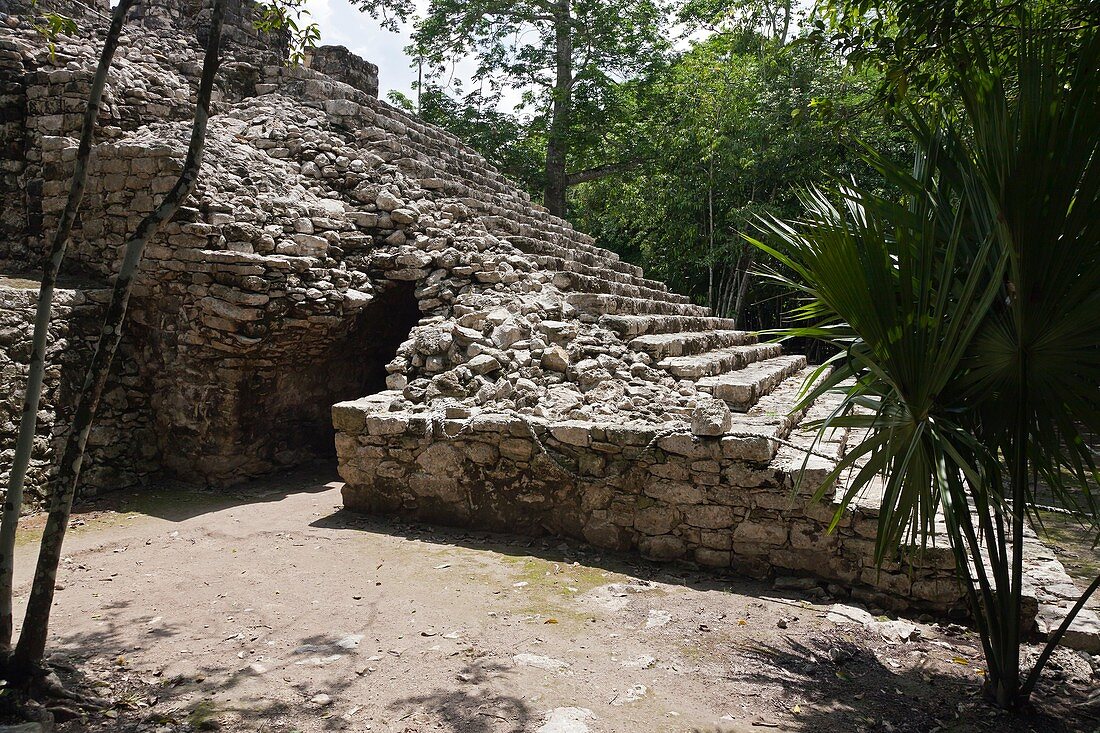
(32,639)
(602,171)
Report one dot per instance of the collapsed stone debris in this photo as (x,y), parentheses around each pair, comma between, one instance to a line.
(349,276)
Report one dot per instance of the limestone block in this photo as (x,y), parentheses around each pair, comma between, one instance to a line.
(941,591)
(394,424)
(230,311)
(748,448)
(663,547)
(711,417)
(507,334)
(683,444)
(675,492)
(757,537)
(516,449)
(572,433)
(481,453)
(386,201)
(483,364)
(403,216)
(555,359)
(709,516)
(656,520)
(716,540)
(602,532)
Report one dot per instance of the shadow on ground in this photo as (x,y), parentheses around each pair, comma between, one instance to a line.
(551,549)
(178,502)
(218,697)
(840,682)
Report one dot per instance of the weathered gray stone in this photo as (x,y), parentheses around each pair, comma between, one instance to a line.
(711,417)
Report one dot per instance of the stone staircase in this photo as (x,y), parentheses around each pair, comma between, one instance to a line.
(547,388)
(730,499)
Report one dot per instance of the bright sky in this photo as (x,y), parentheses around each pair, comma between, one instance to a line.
(342,24)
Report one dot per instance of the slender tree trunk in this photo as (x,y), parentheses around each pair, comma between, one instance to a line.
(786,23)
(28,424)
(32,640)
(711,302)
(557,147)
(739,305)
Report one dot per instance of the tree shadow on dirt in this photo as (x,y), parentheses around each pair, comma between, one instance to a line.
(471,707)
(230,693)
(210,695)
(113,636)
(844,681)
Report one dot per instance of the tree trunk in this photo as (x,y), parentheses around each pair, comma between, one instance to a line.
(739,305)
(32,641)
(557,147)
(28,424)
(711,303)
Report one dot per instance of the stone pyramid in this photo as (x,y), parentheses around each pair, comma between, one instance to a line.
(349,275)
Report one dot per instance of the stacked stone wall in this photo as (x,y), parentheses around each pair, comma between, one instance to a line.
(13,112)
(240,37)
(338,63)
(121,447)
(42,101)
(719,502)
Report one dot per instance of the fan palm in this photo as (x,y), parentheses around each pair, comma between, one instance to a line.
(968,322)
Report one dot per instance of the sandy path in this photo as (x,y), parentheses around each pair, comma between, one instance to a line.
(273,610)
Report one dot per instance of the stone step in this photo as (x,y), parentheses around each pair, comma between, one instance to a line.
(601,304)
(629,326)
(664,345)
(781,401)
(538,246)
(569,266)
(588,284)
(742,388)
(719,361)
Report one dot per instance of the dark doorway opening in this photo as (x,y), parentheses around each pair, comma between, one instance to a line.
(299,408)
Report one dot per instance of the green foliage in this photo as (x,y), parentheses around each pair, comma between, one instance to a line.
(52,26)
(727,131)
(514,44)
(776,20)
(967,318)
(915,45)
(287,17)
(565,58)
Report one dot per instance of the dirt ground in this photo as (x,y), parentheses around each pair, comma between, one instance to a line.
(269,608)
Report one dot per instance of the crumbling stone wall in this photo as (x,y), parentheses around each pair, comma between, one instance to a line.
(718,501)
(336,246)
(338,63)
(121,447)
(13,111)
(239,35)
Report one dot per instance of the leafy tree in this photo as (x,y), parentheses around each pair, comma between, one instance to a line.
(729,129)
(968,320)
(24,663)
(565,55)
(288,18)
(916,44)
